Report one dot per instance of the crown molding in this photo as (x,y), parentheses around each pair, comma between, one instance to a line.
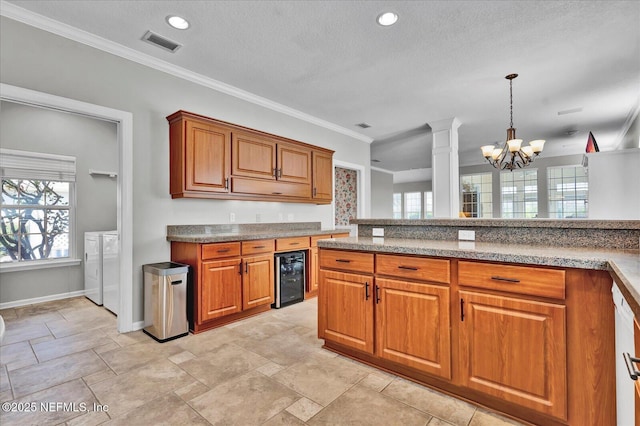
(631,117)
(378,169)
(19,14)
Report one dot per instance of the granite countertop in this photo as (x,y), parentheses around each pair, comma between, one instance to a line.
(623,265)
(219,237)
(506,223)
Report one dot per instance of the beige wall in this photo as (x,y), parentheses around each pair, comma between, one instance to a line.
(37,60)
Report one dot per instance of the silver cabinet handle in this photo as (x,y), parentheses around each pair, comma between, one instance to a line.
(629,361)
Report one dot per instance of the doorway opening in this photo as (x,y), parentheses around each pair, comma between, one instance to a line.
(124,208)
(348,192)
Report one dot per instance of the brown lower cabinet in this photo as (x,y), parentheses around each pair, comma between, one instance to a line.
(225,285)
(314,265)
(534,343)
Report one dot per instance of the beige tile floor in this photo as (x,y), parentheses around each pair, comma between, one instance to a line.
(269,369)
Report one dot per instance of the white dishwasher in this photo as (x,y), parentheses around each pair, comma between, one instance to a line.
(625,401)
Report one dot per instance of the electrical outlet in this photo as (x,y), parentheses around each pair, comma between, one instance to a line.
(290,217)
(258,217)
(377,232)
(232,217)
(466,235)
(280,217)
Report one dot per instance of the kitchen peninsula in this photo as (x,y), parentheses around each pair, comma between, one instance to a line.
(524,327)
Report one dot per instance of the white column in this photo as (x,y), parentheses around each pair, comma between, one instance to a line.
(446,176)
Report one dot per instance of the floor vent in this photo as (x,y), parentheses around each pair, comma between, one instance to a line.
(160,41)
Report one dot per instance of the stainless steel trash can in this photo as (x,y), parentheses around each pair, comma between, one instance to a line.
(165,300)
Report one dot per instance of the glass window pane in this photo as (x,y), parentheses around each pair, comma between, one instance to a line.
(59,247)
(428,204)
(397,205)
(32,230)
(57,193)
(10,192)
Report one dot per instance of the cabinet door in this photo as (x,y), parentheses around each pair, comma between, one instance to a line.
(412,325)
(294,163)
(322,176)
(221,289)
(346,309)
(515,350)
(253,156)
(207,155)
(257,282)
(313,269)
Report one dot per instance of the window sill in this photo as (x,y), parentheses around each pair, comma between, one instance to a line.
(33,265)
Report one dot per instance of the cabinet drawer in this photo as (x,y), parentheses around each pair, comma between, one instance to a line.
(346,260)
(217,250)
(315,238)
(258,246)
(515,279)
(294,243)
(417,268)
(341,235)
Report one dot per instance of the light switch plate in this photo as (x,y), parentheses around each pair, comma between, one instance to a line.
(466,235)
(378,232)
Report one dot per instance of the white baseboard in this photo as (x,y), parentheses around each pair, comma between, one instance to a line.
(139,325)
(25,302)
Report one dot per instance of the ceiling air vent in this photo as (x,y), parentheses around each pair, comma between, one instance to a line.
(160,41)
(363,125)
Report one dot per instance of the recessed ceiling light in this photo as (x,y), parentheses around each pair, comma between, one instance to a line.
(387,18)
(363,125)
(178,22)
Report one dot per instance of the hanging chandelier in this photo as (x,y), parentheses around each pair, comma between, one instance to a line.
(512,155)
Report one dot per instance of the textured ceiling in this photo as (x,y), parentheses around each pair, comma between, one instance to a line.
(442,59)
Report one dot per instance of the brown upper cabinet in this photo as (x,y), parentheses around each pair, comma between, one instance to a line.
(199,157)
(214,159)
(322,176)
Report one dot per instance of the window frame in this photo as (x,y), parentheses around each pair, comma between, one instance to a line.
(480,204)
(550,179)
(524,201)
(25,165)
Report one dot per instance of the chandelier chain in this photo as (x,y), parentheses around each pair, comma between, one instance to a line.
(511,101)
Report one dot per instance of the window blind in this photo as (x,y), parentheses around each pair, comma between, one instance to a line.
(16,164)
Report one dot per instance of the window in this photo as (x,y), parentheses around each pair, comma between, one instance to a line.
(397,205)
(37,206)
(428,204)
(413,205)
(519,194)
(477,195)
(568,192)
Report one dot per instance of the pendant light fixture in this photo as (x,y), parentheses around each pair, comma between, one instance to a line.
(512,155)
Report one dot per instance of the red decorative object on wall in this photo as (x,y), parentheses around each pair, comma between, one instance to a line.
(592,145)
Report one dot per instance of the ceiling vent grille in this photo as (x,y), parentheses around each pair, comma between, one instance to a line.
(160,41)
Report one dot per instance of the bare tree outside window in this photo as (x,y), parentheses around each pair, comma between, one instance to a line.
(35,220)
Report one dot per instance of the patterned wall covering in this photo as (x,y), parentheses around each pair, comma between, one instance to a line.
(346,196)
